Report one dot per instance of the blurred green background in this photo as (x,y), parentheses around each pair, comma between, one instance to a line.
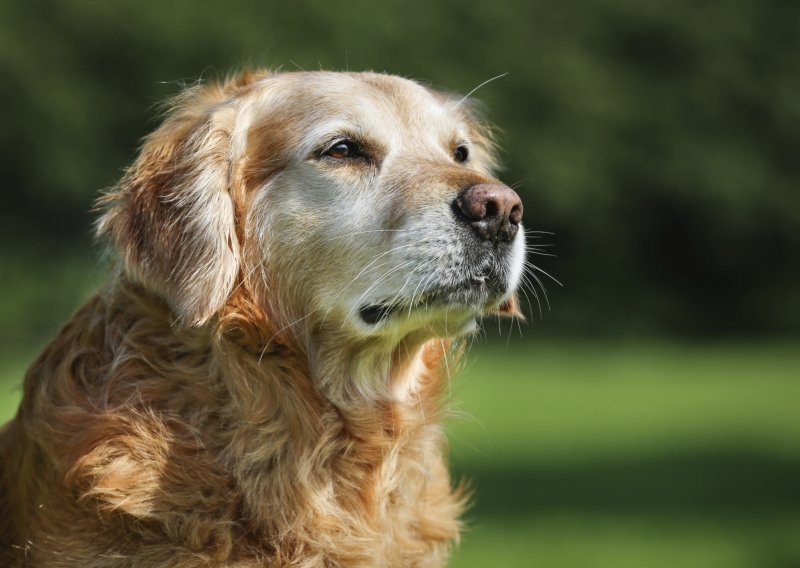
(651,418)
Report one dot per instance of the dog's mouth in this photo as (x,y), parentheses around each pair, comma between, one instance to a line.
(374,314)
(476,295)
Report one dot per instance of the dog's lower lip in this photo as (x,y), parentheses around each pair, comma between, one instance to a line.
(374,314)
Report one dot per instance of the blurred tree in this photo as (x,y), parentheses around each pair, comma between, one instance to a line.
(657,140)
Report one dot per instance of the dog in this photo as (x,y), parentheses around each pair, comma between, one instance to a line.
(260,381)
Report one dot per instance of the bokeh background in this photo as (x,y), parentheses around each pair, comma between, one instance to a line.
(649,417)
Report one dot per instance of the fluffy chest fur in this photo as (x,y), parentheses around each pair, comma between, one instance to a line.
(183,457)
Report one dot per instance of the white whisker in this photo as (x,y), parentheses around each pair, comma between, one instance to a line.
(391,250)
(372,287)
(486,82)
(536,268)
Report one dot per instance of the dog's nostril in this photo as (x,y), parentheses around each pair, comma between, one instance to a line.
(492,209)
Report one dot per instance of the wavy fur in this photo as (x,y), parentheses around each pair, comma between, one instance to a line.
(207,408)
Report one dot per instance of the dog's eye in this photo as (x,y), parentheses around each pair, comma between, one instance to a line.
(342,150)
(461,153)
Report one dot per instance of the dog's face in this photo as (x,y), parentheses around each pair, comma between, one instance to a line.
(361,202)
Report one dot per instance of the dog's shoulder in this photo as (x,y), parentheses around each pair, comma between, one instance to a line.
(109,442)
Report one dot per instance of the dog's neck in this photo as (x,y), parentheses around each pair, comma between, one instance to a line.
(376,371)
(371,384)
(349,407)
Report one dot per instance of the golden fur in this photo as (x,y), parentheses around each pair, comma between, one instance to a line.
(218,403)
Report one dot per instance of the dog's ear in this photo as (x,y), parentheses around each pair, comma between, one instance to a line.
(172,217)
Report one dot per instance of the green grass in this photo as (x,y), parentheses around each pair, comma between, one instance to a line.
(621,455)
(11,373)
(633,455)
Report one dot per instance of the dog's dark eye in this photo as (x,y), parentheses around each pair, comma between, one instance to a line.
(461,153)
(344,149)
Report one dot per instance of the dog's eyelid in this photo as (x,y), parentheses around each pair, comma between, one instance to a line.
(344,148)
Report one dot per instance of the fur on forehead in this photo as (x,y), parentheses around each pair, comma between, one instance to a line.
(314,103)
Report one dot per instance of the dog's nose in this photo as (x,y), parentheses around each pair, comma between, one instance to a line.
(493,210)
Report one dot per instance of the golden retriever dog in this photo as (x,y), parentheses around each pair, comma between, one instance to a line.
(260,382)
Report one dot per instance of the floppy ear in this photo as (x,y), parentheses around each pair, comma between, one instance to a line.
(171,217)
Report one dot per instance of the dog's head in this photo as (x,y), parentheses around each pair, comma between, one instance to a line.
(358,201)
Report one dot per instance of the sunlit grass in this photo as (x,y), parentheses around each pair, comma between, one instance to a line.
(605,541)
(630,455)
(573,401)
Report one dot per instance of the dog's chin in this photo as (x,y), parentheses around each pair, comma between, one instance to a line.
(447,312)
